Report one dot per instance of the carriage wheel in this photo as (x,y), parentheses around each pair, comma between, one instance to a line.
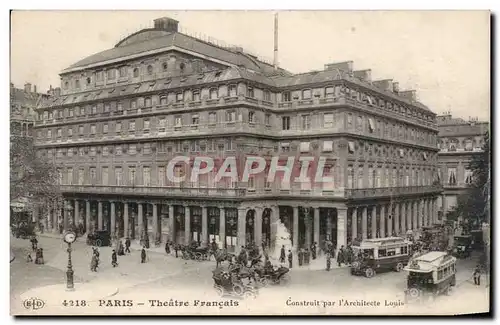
(399,267)
(198,256)
(220,290)
(98,243)
(238,289)
(369,272)
(285,279)
(414,292)
(249,294)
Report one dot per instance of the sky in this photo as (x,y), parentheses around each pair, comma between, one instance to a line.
(444,55)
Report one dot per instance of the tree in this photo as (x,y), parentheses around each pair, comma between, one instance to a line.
(473,206)
(33,179)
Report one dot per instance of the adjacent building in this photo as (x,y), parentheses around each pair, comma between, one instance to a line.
(459,141)
(124,113)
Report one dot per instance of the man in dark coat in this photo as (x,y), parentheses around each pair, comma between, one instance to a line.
(114,259)
(340,256)
(290,259)
(176,248)
(313,250)
(167,247)
(121,249)
(477,275)
(127,245)
(307,256)
(282,254)
(300,255)
(242,257)
(328,261)
(34,243)
(143,255)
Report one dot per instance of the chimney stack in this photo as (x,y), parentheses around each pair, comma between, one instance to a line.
(364,75)
(167,24)
(385,84)
(27,87)
(409,94)
(275,62)
(34,89)
(395,87)
(345,66)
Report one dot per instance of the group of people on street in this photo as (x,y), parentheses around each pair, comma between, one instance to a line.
(37,250)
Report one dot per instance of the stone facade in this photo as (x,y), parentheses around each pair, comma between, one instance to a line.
(138,105)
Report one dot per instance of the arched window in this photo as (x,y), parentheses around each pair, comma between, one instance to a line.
(77,83)
(468,144)
(89,81)
(182,66)
(165,66)
(150,69)
(453,145)
(136,72)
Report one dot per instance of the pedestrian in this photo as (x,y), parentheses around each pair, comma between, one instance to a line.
(93,263)
(121,249)
(328,261)
(34,243)
(290,259)
(114,259)
(29,259)
(167,247)
(300,255)
(96,253)
(41,257)
(340,256)
(282,254)
(176,248)
(307,256)
(313,250)
(143,255)
(477,275)
(127,245)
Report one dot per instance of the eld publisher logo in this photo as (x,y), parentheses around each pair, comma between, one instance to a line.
(33,303)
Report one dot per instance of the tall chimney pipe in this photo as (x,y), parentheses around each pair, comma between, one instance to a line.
(275,63)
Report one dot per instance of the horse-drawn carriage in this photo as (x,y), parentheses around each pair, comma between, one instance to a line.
(229,283)
(279,275)
(195,252)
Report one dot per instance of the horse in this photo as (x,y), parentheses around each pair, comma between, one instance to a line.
(222,255)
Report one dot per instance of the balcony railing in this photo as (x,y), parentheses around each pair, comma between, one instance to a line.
(390,191)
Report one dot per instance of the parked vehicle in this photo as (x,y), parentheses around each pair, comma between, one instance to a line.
(430,275)
(99,238)
(380,254)
(462,246)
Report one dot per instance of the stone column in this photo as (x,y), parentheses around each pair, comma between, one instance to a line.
(65,215)
(126,227)
(140,220)
(444,209)
(316,225)
(295,240)
(397,228)
(87,216)
(99,215)
(364,222)
(187,225)
(309,225)
(414,215)
(435,210)
(374,222)
(341,227)
(390,220)
(76,214)
(204,225)
(429,212)
(171,220)
(242,222)
(156,231)
(404,217)
(275,219)
(419,214)
(382,221)
(50,219)
(258,227)
(222,226)
(354,224)
(112,215)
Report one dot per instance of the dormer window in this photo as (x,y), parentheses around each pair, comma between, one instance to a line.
(267,96)
(306,94)
(179,97)
(89,81)
(150,69)
(123,72)
(136,72)
(77,84)
(214,93)
(164,66)
(250,92)
(111,74)
(182,67)
(232,91)
(329,92)
(286,97)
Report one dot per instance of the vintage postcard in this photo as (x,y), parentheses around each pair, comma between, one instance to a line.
(160,164)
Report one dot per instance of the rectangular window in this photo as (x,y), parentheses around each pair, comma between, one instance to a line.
(105,128)
(49,134)
(81,176)
(452,176)
(118,127)
(179,97)
(371,177)
(328,120)
(146,175)
(306,94)
(132,149)
(107,108)
(81,152)
(360,177)
(349,120)
(329,92)
(147,148)
(131,176)
(250,92)
(93,129)
(231,116)
(178,121)
(131,126)
(118,150)
(70,112)
(69,178)
(111,74)
(251,117)
(286,97)
(327,146)
(93,176)
(161,176)
(371,125)
(105,151)
(268,120)
(359,125)
(94,110)
(304,146)
(59,133)
(285,122)
(305,122)
(195,120)
(162,124)
(350,177)
(351,147)
(118,176)
(267,96)
(99,75)
(212,118)
(105,176)
(93,151)
(196,96)
(146,125)
(468,176)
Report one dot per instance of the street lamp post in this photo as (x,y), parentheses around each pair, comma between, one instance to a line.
(69,238)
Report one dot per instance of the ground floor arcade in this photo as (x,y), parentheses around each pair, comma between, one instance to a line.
(235,224)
